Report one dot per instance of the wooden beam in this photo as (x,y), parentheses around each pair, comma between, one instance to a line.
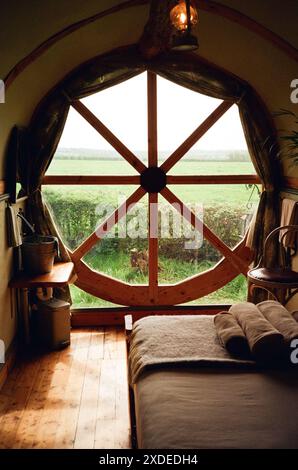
(152,197)
(208,234)
(213,179)
(153,246)
(171,179)
(192,288)
(90,180)
(196,135)
(115,316)
(152,119)
(108,136)
(113,219)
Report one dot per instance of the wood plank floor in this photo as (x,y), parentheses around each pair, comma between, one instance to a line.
(75,398)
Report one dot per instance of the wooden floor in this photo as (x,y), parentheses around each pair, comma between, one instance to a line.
(75,398)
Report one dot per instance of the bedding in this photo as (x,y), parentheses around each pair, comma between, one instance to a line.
(190,393)
(200,408)
(177,340)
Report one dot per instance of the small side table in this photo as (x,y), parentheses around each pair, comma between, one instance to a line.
(61,275)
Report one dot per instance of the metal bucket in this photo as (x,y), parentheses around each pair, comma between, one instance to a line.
(38,253)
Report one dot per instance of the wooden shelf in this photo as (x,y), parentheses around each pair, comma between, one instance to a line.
(60,275)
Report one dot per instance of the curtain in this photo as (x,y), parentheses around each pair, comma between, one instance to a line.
(185,69)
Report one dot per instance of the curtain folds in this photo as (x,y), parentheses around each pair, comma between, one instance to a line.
(187,70)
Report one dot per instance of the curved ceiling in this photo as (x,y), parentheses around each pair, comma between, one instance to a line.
(27,24)
(36,21)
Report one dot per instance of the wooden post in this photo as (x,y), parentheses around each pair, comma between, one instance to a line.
(153,246)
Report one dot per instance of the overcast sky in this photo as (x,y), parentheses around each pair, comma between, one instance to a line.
(123,109)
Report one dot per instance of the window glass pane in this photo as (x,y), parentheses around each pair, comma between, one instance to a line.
(222,150)
(226,209)
(180,111)
(182,250)
(233,292)
(235,195)
(123,252)
(123,109)
(82,151)
(78,211)
(81,299)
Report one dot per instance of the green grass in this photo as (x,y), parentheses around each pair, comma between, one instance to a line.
(121,167)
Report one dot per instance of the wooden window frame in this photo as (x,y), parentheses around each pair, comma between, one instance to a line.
(234,262)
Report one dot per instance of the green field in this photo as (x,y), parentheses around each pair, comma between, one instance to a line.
(121,167)
(205,194)
(116,262)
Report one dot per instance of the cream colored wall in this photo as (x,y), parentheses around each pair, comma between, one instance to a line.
(34,83)
(27,24)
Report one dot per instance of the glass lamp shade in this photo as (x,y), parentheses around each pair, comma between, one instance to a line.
(178,16)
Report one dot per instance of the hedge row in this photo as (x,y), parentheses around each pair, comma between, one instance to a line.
(77,213)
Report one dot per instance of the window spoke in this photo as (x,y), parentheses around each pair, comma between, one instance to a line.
(90,180)
(213,179)
(153,246)
(152,119)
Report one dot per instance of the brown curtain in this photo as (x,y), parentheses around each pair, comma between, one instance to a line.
(188,70)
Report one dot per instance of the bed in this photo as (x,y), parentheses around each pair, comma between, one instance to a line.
(186,391)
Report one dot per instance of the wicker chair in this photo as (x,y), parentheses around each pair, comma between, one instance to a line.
(281,282)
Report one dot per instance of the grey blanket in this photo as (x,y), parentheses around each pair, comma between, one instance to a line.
(160,341)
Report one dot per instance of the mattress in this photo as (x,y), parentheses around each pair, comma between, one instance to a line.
(197,408)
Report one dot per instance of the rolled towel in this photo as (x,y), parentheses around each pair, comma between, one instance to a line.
(231,335)
(265,342)
(280,318)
